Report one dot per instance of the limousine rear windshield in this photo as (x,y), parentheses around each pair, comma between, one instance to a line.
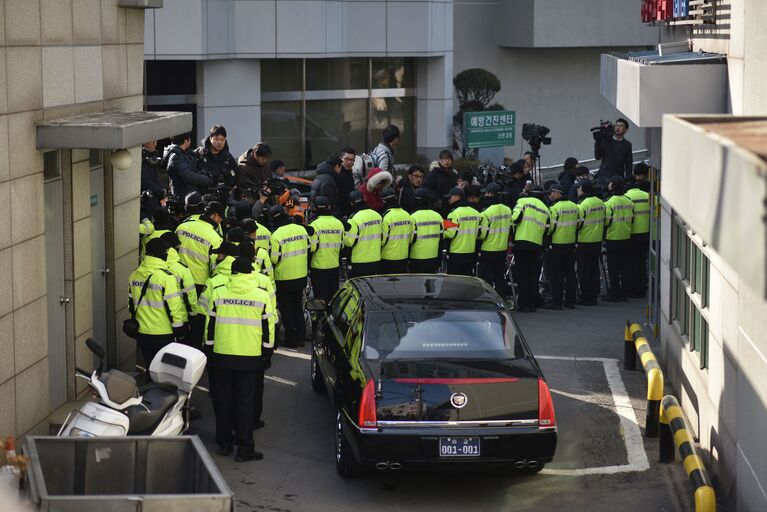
(440,334)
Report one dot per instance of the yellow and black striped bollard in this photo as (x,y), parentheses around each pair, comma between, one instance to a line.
(674,433)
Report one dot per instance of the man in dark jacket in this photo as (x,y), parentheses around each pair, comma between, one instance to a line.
(582,175)
(567,176)
(615,152)
(407,187)
(253,166)
(152,188)
(346,181)
(214,158)
(181,163)
(326,182)
(441,180)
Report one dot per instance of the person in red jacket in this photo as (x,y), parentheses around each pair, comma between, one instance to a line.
(371,188)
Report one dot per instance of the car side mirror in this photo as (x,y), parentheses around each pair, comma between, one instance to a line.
(316,305)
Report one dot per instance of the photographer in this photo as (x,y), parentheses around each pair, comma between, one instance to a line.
(253,166)
(614,150)
(214,159)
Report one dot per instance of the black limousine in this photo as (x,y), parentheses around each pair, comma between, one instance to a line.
(429,370)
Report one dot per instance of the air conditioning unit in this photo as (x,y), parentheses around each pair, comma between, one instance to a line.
(672,48)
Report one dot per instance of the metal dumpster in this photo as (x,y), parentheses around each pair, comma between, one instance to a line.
(124,474)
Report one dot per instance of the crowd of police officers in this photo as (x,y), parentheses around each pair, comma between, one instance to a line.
(213,274)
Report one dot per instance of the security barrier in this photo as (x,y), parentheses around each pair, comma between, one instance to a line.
(636,343)
(674,433)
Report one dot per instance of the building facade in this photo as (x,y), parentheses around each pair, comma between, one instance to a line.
(310,77)
(66,248)
(708,260)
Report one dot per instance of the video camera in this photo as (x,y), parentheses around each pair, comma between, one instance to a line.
(273,187)
(535,135)
(604,131)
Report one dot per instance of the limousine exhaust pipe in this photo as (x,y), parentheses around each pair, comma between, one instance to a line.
(520,464)
(386,464)
(532,464)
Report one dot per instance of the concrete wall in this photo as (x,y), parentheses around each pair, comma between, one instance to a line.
(726,402)
(547,24)
(57,58)
(297,28)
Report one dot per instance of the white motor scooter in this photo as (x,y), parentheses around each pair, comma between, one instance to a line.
(159,408)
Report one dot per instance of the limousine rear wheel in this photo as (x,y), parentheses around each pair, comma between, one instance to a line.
(346,465)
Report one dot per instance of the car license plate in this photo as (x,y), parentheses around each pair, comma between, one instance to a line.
(459,447)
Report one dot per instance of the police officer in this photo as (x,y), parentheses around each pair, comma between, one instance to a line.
(257,232)
(182,274)
(199,236)
(462,230)
(262,263)
(591,218)
(396,234)
(427,234)
(154,300)
(561,261)
(619,215)
(363,235)
(266,283)
(530,216)
(224,256)
(325,245)
(494,231)
(640,234)
(290,253)
(242,350)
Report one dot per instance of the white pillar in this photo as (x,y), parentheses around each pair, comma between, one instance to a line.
(229,94)
(434,104)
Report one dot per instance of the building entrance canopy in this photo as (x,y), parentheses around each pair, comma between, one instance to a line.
(111,130)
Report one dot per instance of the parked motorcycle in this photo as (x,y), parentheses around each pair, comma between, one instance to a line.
(160,408)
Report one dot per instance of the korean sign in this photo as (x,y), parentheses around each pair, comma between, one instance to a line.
(489,129)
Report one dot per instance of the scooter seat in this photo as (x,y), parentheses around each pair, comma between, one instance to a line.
(158,399)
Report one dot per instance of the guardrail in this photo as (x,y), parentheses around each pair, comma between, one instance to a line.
(552,171)
(636,344)
(674,434)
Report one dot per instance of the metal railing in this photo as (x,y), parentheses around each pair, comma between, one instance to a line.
(550,172)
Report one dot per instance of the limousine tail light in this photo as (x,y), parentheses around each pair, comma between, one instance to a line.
(367,413)
(545,406)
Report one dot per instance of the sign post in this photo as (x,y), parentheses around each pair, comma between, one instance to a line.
(489,129)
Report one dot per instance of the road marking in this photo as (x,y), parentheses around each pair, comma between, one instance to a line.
(632,436)
(292,353)
(281,381)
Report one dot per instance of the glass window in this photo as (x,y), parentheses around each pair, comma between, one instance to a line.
(335,74)
(397,111)
(171,77)
(95,157)
(51,165)
(305,132)
(392,73)
(281,128)
(429,334)
(280,75)
(333,124)
(704,344)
